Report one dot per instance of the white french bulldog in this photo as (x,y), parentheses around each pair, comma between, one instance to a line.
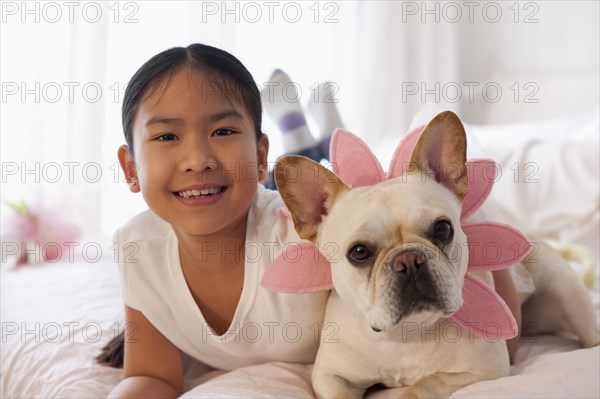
(397,280)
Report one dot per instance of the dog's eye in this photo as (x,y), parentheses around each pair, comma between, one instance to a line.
(442,230)
(359,254)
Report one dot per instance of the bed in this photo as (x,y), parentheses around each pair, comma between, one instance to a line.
(56,316)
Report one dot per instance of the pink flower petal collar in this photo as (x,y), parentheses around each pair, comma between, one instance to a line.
(492,246)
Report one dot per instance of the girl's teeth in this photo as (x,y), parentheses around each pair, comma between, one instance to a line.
(197,193)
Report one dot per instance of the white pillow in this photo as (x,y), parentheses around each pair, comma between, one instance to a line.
(549,180)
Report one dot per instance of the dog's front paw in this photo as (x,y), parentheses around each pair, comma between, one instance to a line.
(329,386)
(439,385)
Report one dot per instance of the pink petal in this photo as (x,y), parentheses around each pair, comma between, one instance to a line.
(482,175)
(484,313)
(299,268)
(494,246)
(353,161)
(403,153)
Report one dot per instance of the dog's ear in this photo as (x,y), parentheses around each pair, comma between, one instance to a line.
(441,153)
(308,190)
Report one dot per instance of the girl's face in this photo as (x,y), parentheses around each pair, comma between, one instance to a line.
(195,155)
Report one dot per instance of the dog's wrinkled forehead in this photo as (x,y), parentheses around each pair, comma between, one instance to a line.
(407,203)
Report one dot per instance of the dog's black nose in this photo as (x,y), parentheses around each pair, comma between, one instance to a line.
(408,261)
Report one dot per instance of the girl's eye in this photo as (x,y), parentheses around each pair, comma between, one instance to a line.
(166,137)
(222,132)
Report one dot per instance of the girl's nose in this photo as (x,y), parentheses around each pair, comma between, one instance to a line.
(198,158)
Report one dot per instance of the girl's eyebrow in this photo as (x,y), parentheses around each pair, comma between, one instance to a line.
(164,120)
(212,118)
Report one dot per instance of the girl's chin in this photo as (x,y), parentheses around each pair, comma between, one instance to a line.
(218,226)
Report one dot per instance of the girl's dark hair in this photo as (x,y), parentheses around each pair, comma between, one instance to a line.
(208,59)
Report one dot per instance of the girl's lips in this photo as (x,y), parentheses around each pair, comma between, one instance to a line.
(200,200)
(199,191)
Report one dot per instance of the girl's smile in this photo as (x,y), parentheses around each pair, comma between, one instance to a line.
(205,194)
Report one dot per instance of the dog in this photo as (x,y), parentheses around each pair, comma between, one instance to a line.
(397,280)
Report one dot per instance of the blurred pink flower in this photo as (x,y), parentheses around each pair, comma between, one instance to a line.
(46,229)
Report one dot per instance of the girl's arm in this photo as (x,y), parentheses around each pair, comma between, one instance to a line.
(153,366)
(505,287)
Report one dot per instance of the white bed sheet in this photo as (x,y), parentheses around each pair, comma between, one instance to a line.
(56,317)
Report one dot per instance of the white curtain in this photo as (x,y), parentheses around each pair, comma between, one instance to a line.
(398,58)
(63,78)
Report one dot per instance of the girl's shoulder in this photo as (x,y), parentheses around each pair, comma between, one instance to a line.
(266,207)
(271,219)
(145,226)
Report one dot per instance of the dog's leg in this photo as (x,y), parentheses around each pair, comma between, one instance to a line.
(560,301)
(333,386)
(439,385)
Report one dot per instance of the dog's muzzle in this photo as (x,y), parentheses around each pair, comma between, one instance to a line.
(413,283)
(412,272)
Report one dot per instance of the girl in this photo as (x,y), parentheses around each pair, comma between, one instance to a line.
(191,265)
